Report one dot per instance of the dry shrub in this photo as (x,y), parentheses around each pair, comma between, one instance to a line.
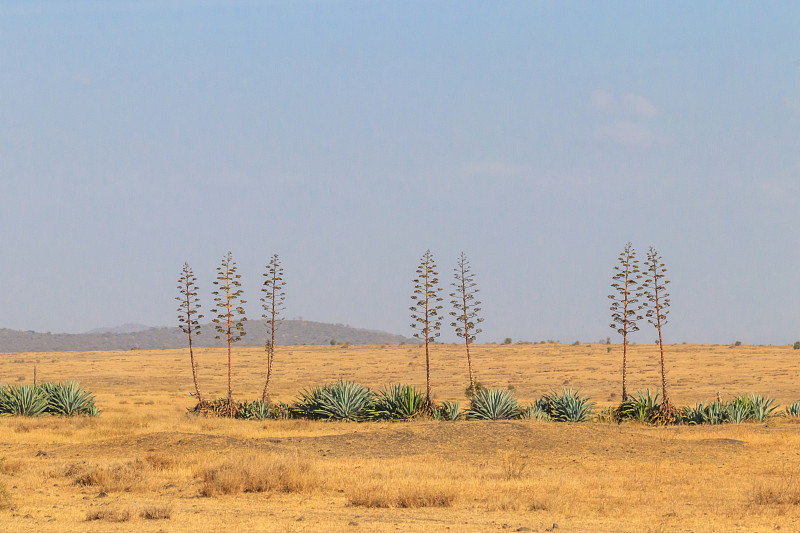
(109,515)
(133,475)
(401,495)
(259,473)
(155,512)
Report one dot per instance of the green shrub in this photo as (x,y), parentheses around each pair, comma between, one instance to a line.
(399,402)
(493,404)
(797,345)
(568,406)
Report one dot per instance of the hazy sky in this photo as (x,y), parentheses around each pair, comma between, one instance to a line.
(349,137)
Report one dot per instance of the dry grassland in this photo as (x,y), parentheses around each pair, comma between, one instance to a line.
(146,465)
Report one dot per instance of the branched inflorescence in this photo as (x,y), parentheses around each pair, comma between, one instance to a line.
(425,311)
(655,287)
(188,315)
(230,317)
(466,308)
(273,305)
(625,305)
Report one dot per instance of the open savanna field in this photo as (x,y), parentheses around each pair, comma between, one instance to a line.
(146,464)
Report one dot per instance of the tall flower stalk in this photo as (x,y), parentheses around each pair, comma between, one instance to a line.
(425,312)
(625,306)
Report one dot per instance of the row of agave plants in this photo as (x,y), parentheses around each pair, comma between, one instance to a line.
(57,399)
(349,401)
(646,407)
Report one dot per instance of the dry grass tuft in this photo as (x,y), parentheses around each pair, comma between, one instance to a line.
(403,495)
(265,472)
(5,496)
(785,490)
(119,477)
(514,465)
(10,467)
(161,461)
(109,515)
(154,512)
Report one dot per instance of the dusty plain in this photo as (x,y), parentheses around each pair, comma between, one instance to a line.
(146,464)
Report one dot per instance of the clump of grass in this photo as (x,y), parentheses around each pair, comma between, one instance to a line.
(258,473)
(119,477)
(160,461)
(514,465)
(392,495)
(10,468)
(108,514)
(156,512)
(5,496)
(783,490)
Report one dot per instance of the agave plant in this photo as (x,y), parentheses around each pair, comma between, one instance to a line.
(493,404)
(763,407)
(256,410)
(23,400)
(280,411)
(399,402)
(448,411)
(738,412)
(534,412)
(309,402)
(793,410)
(69,399)
(568,406)
(346,400)
(642,407)
(704,413)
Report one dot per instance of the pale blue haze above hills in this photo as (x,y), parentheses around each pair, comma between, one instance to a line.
(351,136)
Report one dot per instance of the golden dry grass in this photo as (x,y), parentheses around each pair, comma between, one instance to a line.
(146,462)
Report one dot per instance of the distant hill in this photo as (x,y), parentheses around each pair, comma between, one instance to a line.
(124,328)
(291,332)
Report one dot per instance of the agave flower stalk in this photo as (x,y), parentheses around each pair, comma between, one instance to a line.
(425,312)
(466,307)
(655,287)
(625,305)
(230,318)
(188,316)
(273,305)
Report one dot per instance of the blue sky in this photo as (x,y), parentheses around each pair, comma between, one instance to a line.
(349,137)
